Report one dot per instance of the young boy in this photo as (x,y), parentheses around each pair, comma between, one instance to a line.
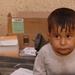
(58,56)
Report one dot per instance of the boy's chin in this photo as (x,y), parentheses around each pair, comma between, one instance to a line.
(63,53)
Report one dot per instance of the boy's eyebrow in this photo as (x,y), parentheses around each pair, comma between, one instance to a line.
(55,33)
(70,33)
(59,33)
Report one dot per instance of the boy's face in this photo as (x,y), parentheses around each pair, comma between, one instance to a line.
(63,42)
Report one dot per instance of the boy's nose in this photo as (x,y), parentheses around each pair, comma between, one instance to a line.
(63,41)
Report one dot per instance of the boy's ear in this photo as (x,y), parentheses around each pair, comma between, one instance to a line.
(49,36)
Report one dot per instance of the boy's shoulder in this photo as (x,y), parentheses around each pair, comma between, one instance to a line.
(45,48)
(46,51)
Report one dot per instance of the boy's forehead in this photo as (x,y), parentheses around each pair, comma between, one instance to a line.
(56,28)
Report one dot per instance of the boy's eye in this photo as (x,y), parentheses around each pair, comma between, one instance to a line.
(68,36)
(57,36)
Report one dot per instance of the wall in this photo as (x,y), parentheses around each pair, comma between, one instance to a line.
(16,6)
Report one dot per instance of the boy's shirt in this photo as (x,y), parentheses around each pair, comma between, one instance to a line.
(49,63)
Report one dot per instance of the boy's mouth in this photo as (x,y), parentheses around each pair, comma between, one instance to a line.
(63,51)
(63,48)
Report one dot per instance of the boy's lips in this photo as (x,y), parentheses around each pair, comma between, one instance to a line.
(63,48)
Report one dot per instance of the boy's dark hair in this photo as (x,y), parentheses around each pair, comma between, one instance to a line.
(63,17)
